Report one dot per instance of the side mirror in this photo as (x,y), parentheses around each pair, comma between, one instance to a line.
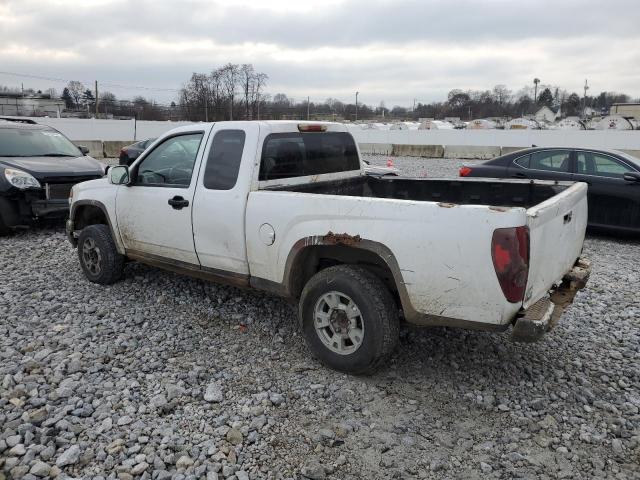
(119,175)
(632,177)
(83,149)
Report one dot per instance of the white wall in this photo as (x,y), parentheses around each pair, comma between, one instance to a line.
(106,130)
(627,140)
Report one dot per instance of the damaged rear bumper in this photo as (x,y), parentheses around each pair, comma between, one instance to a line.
(532,323)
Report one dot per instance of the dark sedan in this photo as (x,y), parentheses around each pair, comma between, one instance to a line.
(613,178)
(38,167)
(129,153)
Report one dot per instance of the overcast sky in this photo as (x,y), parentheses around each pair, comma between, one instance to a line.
(388,50)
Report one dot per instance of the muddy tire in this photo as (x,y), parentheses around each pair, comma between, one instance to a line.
(99,258)
(349,319)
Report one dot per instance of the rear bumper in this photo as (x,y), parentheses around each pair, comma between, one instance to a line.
(542,316)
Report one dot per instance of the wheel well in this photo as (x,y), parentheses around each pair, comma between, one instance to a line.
(315,258)
(89,215)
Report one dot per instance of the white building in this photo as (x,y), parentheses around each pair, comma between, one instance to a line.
(12,104)
(545,114)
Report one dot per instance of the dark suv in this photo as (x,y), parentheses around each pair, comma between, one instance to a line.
(38,167)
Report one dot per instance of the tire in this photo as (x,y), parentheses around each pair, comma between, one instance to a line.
(374,325)
(99,258)
(4,230)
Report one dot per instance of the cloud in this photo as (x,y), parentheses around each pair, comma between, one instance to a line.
(388,50)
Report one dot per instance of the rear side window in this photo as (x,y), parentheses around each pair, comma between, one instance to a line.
(523,161)
(224,159)
(286,155)
(553,160)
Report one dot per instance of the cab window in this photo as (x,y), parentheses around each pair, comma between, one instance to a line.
(223,164)
(171,162)
(286,155)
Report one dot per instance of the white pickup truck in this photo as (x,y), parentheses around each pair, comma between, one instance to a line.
(286,207)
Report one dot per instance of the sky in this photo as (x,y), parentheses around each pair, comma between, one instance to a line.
(395,51)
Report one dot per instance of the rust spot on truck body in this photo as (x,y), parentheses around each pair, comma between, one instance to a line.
(498,209)
(341,239)
(447,205)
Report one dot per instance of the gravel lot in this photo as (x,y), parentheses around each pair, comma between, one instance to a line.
(161,376)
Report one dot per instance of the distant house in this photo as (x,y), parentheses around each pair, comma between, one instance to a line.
(37,105)
(545,114)
(626,110)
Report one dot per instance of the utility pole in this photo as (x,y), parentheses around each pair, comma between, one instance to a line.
(584,99)
(307,107)
(536,81)
(96,99)
(357,106)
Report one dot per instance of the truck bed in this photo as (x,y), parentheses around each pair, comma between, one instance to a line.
(476,191)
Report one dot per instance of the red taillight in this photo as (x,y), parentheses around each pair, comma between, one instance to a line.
(123,150)
(306,127)
(510,255)
(464,171)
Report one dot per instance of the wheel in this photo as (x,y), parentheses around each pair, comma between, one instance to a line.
(99,258)
(349,319)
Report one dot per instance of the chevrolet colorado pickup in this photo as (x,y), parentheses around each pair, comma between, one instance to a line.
(286,207)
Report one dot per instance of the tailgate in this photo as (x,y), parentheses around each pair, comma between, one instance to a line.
(556,228)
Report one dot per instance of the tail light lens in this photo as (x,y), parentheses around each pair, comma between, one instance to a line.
(123,150)
(510,255)
(465,171)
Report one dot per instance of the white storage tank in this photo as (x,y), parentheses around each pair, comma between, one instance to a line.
(521,123)
(435,125)
(613,122)
(481,124)
(570,124)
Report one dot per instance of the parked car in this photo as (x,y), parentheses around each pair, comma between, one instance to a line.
(613,178)
(38,167)
(129,153)
(286,207)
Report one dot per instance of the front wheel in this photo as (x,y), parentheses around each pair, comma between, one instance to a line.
(349,319)
(99,258)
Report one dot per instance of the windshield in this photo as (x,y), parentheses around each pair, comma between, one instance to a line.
(16,142)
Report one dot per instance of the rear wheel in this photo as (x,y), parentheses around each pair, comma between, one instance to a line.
(4,230)
(349,319)
(99,258)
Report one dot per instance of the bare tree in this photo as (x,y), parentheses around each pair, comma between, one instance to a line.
(247,78)
(259,81)
(76,90)
(230,79)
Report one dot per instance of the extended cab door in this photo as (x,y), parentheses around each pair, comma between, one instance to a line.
(221,198)
(154,212)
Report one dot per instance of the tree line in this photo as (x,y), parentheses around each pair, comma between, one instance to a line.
(237,92)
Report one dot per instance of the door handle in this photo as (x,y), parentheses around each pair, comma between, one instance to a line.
(519,175)
(178,202)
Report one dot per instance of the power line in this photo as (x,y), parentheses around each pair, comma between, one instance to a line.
(108,84)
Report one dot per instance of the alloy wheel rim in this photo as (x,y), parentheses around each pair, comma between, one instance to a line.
(338,323)
(92,256)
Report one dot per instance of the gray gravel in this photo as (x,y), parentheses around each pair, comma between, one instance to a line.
(165,377)
(422,167)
